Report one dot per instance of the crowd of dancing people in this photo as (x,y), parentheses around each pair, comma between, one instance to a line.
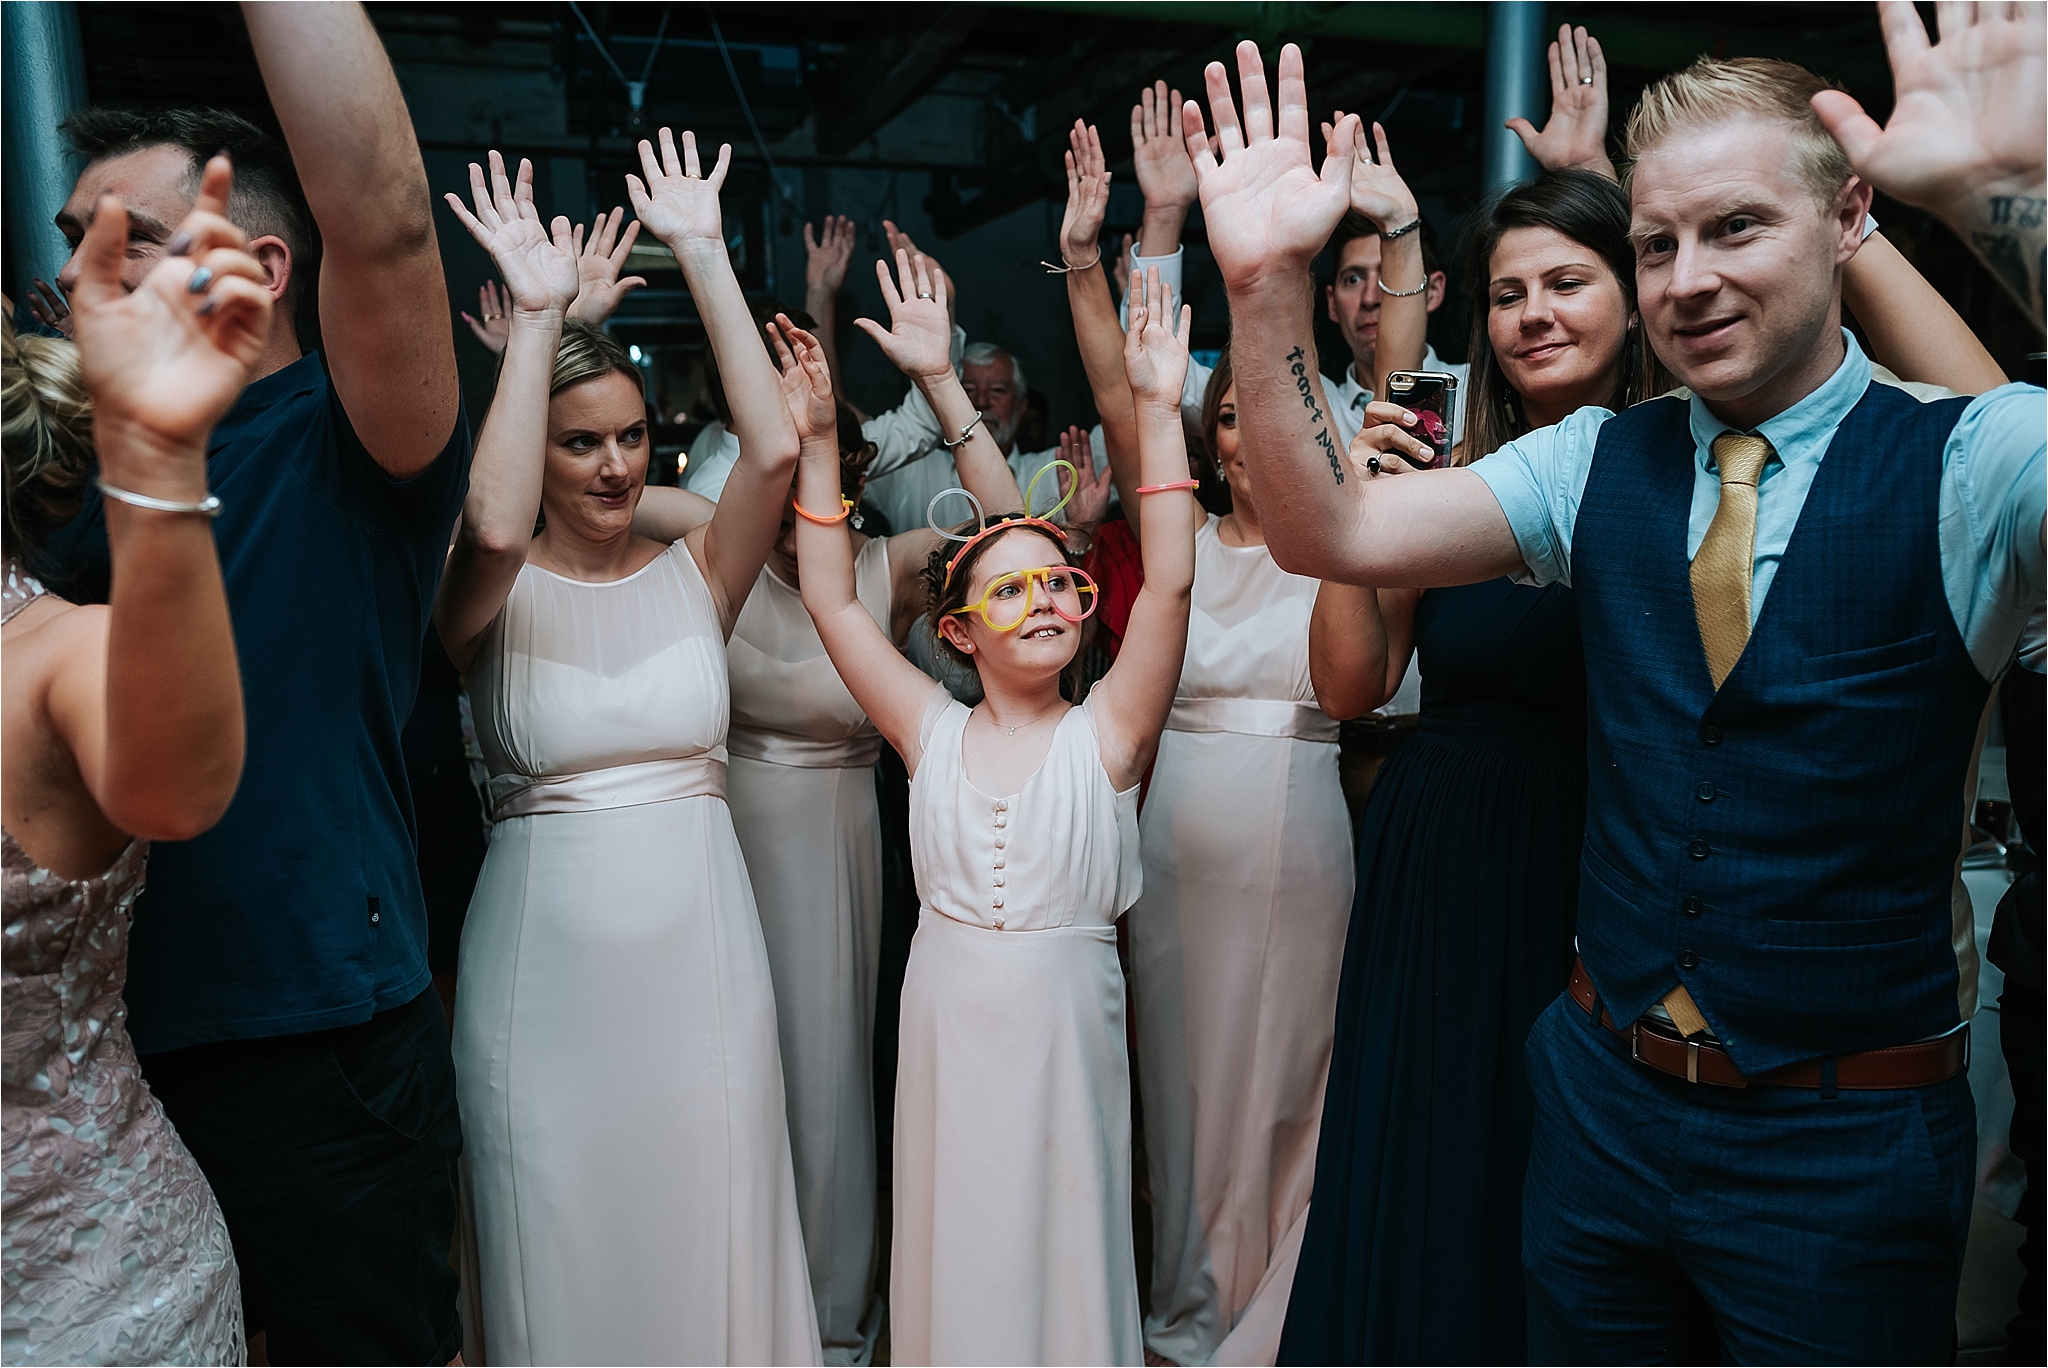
(1628,1023)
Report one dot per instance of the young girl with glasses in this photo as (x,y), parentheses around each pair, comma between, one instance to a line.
(1012,1157)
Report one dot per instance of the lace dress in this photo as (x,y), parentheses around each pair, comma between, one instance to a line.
(113,1246)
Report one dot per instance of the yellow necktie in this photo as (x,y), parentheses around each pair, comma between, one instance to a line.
(1727,556)
(1721,573)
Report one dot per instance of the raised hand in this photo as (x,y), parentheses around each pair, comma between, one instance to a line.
(1377,190)
(1577,132)
(1268,210)
(919,337)
(806,381)
(1159,149)
(1090,491)
(539,267)
(493,324)
(166,361)
(599,291)
(828,254)
(1120,268)
(1969,108)
(900,241)
(1155,351)
(1087,198)
(677,201)
(47,305)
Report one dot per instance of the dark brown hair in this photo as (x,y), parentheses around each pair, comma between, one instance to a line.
(1589,209)
(265,201)
(856,452)
(1214,495)
(944,597)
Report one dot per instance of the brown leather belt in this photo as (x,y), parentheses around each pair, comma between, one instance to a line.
(1661,1047)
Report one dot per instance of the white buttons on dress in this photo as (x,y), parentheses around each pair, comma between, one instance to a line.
(999,842)
(1002,805)
(997,901)
(999,881)
(999,923)
(999,862)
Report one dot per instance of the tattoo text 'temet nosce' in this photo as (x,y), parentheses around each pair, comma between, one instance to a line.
(1298,364)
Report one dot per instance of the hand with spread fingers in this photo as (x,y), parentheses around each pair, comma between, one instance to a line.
(599,290)
(900,241)
(827,255)
(674,196)
(1159,148)
(1576,135)
(1087,199)
(538,265)
(1968,134)
(493,322)
(918,340)
(166,361)
(1377,191)
(1086,492)
(1269,211)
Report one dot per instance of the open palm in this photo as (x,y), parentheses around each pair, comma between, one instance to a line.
(1970,109)
(599,290)
(538,267)
(1576,135)
(163,358)
(677,201)
(1087,197)
(1267,209)
(1155,351)
(919,337)
(806,380)
(1159,149)
(1377,191)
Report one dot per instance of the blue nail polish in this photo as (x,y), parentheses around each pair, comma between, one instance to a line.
(201,278)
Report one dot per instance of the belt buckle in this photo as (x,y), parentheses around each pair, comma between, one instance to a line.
(1635,1035)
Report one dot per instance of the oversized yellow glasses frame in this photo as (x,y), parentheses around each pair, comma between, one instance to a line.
(1006,604)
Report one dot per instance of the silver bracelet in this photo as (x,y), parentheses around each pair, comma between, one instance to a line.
(965,433)
(1404,231)
(208,506)
(1405,294)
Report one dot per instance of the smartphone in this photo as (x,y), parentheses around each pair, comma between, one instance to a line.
(1432,396)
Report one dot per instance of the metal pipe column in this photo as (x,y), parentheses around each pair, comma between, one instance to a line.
(45,81)
(1517,85)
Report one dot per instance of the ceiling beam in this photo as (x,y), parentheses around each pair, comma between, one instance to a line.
(879,79)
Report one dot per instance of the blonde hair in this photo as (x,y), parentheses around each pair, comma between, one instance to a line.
(1712,91)
(46,427)
(585,353)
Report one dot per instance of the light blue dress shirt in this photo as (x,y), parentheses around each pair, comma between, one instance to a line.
(1994,494)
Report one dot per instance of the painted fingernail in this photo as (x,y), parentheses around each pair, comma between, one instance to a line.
(206,306)
(180,245)
(201,278)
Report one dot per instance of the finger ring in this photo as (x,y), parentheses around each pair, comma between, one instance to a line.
(1372,463)
(1585,80)
(924,294)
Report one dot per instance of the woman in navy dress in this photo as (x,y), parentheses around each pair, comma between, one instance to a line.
(1468,847)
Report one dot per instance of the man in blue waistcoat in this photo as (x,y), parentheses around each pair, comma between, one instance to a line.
(1796,587)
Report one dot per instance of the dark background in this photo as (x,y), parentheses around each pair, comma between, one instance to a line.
(950,119)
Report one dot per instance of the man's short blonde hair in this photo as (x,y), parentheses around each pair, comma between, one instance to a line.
(1713,91)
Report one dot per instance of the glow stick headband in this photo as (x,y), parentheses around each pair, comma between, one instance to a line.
(985,528)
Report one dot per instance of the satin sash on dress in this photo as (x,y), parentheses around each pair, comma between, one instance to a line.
(1253,717)
(652,781)
(776,748)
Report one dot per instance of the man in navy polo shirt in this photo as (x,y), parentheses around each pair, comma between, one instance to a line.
(278,985)
(1796,586)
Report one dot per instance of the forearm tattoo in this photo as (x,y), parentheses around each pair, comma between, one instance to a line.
(2014,247)
(1298,363)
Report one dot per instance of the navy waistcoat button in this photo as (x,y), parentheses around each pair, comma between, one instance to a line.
(1706,793)
(1711,735)
(1693,906)
(1698,850)
(1688,960)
